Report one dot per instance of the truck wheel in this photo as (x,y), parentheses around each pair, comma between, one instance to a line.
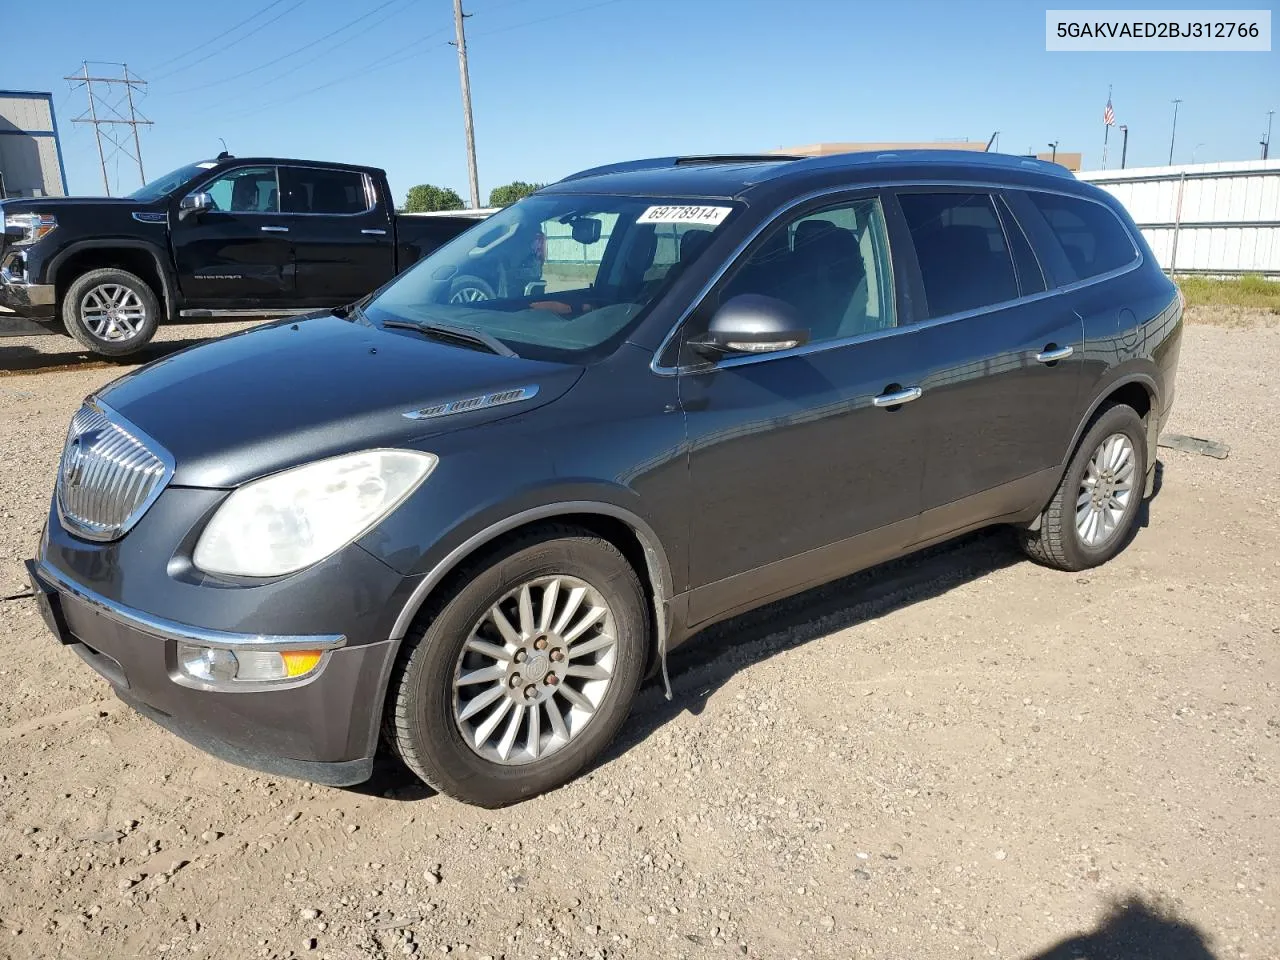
(111,311)
(467,289)
(1095,507)
(511,684)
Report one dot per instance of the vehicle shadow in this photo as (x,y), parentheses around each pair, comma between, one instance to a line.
(1134,929)
(23,359)
(699,667)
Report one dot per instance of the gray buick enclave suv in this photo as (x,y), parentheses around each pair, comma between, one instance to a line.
(469,529)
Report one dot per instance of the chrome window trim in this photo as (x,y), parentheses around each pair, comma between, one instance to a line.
(153,446)
(165,629)
(370,193)
(672,371)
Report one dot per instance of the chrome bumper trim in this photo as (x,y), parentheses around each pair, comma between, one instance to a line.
(171,630)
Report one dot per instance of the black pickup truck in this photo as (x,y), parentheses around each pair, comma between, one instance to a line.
(226,237)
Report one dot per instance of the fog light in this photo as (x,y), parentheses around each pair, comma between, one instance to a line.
(212,664)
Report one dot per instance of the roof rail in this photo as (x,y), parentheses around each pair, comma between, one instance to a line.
(963,157)
(653,163)
(736,158)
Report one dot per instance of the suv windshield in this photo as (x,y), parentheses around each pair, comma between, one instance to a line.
(555,276)
(170,181)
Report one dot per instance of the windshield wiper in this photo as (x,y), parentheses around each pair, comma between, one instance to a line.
(444,331)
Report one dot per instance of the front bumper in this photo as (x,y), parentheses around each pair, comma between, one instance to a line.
(321,727)
(34,301)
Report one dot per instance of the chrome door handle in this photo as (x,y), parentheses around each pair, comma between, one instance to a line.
(1054,355)
(374,233)
(275,229)
(906,395)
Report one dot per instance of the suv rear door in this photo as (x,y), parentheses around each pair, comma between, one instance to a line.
(1004,359)
(343,243)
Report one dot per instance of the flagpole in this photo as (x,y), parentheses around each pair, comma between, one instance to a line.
(1106,131)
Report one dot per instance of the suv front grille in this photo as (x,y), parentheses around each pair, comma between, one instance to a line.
(109,475)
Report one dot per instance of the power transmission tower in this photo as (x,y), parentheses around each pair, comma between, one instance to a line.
(107,104)
(461,43)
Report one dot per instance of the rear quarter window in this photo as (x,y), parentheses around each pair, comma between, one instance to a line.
(1090,235)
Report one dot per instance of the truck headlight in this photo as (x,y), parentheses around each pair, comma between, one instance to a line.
(297,517)
(28,227)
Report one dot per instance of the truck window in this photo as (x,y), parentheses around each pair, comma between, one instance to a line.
(246,190)
(312,190)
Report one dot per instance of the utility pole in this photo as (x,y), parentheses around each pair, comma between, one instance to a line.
(105,112)
(1174,132)
(1266,141)
(458,17)
(1054,147)
(1124,145)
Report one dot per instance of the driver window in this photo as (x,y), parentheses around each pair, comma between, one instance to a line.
(831,265)
(246,190)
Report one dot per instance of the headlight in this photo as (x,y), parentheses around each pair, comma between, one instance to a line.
(220,666)
(298,517)
(29,227)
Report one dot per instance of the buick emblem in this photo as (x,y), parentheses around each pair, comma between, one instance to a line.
(73,468)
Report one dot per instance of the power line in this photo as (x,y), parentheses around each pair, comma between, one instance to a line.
(258,29)
(554,16)
(285,56)
(200,46)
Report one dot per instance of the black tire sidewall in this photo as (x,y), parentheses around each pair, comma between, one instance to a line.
(1118,419)
(71,311)
(429,739)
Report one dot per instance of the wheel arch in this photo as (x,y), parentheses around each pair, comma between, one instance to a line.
(1134,389)
(130,254)
(632,535)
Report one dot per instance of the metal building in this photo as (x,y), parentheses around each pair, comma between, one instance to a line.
(30,151)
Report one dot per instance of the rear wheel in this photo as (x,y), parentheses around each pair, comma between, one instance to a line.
(468,289)
(1094,509)
(523,676)
(110,311)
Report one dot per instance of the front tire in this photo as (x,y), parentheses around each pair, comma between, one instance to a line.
(1096,505)
(518,680)
(112,312)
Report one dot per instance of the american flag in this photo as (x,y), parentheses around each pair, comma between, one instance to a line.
(1109,115)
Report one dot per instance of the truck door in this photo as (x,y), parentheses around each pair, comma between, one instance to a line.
(343,239)
(236,254)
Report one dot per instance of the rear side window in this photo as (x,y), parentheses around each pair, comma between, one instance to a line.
(961,248)
(1090,234)
(306,190)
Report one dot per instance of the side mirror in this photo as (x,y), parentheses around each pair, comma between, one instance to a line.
(195,203)
(752,323)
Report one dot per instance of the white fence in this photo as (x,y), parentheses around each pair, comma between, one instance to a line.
(1212,218)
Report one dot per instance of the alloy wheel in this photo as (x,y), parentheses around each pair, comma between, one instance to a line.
(112,312)
(534,670)
(1106,490)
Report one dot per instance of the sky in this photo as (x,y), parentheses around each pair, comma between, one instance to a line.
(561,85)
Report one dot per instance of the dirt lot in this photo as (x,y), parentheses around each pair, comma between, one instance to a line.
(960,755)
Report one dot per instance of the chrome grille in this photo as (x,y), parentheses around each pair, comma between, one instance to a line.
(109,474)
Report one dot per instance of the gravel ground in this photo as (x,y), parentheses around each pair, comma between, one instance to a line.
(957,755)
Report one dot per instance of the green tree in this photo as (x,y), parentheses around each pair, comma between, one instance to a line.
(506,195)
(427,198)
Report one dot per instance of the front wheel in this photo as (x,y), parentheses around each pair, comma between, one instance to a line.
(525,673)
(111,312)
(1095,507)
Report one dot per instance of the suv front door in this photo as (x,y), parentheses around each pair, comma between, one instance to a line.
(343,242)
(798,475)
(236,254)
(1004,365)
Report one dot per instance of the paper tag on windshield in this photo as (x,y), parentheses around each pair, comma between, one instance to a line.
(682,214)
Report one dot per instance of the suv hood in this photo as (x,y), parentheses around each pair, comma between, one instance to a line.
(300,390)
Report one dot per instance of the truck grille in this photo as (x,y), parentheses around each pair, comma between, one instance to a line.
(108,476)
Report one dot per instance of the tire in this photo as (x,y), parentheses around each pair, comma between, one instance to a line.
(469,289)
(425,711)
(111,312)
(1060,542)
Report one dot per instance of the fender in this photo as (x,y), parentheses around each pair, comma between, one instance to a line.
(1153,419)
(161,257)
(659,568)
